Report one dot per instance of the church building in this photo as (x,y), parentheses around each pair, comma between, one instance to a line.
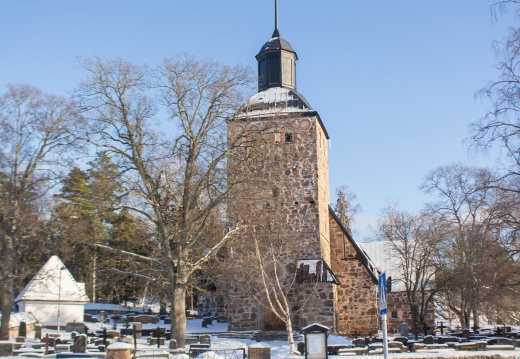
(279,167)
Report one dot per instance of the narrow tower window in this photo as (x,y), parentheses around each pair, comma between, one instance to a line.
(289,137)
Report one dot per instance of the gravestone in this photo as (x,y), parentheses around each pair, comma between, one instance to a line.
(173,344)
(138,327)
(359,342)
(446,339)
(466,333)
(301,348)
(22,329)
(405,330)
(80,343)
(500,341)
(73,334)
(38,332)
(402,340)
(75,326)
(205,339)
(259,352)
(119,351)
(428,339)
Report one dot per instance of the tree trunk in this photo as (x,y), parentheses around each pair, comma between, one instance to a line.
(290,335)
(6,281)
(6,288)
(178,314)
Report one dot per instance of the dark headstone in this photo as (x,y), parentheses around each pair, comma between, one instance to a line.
(22,329)
(466,333)
(402,340)
(358,343)
(301,347)
(205,339)
(500,341)
(73,334)
(80,343)
(173,344)
(428,339)
(404,330)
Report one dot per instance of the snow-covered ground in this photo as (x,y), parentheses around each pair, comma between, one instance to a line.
(279,349)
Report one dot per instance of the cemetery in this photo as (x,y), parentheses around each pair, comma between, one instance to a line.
(114,336)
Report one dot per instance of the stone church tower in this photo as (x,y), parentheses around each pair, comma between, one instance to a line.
(279,168)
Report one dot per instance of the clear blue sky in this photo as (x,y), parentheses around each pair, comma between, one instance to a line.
(393,81)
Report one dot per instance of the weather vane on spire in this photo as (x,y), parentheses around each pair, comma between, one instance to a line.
(276,33)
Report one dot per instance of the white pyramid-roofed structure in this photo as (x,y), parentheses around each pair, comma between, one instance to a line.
(53,296)
(54,282)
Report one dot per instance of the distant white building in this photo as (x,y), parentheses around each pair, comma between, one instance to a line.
(53,296)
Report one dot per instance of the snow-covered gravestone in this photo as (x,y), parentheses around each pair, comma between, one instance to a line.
(259,351)
(80,343)
(119,351)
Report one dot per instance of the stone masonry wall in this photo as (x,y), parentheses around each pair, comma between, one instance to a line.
(399,311)
(323,192)
(356,296)
(279,197)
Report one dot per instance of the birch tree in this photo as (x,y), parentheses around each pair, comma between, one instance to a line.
(165,128)
(35,133)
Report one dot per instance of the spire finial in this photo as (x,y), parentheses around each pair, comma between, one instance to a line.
(276,33)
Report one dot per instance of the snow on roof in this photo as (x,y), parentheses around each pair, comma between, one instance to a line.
(315,325)
(381,253)
(387,260)
(16,318)
(274,100)
(54,282)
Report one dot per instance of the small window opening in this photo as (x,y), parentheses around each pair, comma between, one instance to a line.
(394,314)
(289,137)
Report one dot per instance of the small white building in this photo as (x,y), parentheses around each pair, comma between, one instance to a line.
(53,296)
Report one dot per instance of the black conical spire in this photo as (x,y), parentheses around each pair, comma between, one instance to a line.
(276,33)
(276,61)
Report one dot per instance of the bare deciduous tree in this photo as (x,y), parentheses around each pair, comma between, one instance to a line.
(414,241)
(177,166)
(35,130)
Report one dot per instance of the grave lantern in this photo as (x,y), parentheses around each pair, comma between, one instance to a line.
(315,341)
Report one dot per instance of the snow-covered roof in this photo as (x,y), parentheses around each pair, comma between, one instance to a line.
(318,325)
(16,318)
(54,282)
(386,258)
(274,100)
